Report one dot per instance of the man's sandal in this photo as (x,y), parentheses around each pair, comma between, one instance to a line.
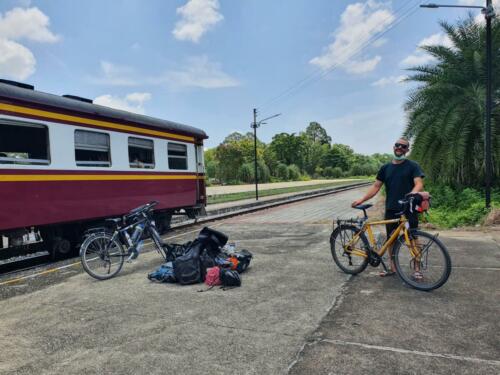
(417,276)
(386,273)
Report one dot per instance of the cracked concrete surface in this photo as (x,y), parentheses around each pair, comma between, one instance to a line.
(295,312)
(129,325)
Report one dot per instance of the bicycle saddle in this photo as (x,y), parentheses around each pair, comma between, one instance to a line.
(363,206)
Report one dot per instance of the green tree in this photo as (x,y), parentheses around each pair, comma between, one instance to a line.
(339,156)
(230,157)
(282,172)
(269,157)
(446,111)
(289,148)
(317,134)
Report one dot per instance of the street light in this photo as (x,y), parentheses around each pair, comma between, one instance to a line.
(254,126)
(489,14)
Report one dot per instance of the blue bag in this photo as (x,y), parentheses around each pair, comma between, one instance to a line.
(164,274)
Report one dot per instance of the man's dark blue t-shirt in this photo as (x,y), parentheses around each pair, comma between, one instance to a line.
(398,181)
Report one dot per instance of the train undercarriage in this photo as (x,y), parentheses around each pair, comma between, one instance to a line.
(63,240)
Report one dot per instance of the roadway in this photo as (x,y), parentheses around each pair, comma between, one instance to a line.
(295,312)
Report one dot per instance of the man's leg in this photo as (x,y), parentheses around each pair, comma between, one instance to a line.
(413,220)
(389,228)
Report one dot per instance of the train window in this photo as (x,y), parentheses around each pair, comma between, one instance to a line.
(24,143)
(92,149)
(177,156)
(141,153)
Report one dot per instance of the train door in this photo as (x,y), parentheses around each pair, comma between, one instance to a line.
(200,174)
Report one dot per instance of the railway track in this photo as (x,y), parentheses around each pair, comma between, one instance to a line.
(41,261)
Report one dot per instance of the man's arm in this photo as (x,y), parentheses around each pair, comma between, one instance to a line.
(418,185)
(374,189)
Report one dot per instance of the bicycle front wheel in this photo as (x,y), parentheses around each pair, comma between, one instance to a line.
(424,264)
(350,255)
(102,256)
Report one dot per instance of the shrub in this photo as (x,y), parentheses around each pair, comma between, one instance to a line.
(263,171)
(246,173)
(282,172)
(293,172)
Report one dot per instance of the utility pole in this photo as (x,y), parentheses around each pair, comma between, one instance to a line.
(255,124)
(489,14)
(256,178)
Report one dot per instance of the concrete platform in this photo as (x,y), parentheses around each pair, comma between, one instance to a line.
(295,312)
(379,326)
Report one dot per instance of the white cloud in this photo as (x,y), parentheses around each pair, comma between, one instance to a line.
(198,16)
(115,75)
(386,81)
(379,42)
(30,23)
(436,39)
(417,59)
(16,61)
(199,72)
(358,24)
(133,102)
(420,57)
(196,72)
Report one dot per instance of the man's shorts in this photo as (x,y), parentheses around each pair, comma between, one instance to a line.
(390,214)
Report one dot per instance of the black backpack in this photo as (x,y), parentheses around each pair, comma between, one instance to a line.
(213,240)
(229,278)
(188,268)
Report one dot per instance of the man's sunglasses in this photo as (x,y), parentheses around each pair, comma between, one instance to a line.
(401,145)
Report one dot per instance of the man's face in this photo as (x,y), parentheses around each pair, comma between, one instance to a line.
(401,147)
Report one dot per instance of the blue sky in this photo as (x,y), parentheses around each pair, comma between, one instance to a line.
(207,63)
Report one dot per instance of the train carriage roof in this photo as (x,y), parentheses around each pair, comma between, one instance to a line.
(29,95)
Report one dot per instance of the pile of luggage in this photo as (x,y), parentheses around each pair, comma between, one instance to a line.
(206,259)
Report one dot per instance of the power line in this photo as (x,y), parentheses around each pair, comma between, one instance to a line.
(320,73)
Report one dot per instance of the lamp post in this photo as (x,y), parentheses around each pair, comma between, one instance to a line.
(255,124)
(489,14)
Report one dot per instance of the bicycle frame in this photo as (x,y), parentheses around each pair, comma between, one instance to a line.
(120,233)
(403,226)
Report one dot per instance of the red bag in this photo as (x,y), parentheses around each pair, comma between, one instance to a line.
(425,203)
(213,276)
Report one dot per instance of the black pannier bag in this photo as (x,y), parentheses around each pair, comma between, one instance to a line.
(244,257)
(188,268)
(213,240)
(229,278)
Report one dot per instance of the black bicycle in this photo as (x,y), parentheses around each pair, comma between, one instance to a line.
(105,249)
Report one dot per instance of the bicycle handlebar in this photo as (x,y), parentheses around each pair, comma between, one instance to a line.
(144,208)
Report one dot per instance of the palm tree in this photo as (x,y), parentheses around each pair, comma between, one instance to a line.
(446,111)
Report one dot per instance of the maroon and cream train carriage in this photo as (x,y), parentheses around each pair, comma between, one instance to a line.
(66,163)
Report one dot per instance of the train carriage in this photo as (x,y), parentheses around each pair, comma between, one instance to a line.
(66,163)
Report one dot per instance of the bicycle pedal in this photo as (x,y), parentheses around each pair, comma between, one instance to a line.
(132,257)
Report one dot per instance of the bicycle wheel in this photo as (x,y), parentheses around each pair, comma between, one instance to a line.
(427,271)
(348,261)
(102,256)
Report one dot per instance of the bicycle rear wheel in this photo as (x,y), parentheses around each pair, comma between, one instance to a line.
(102,256)
(351,260)
(427,271)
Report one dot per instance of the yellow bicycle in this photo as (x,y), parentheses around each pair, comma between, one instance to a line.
(421,259)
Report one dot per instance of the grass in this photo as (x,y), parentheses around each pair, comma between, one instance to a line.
(222,198)
(452,208)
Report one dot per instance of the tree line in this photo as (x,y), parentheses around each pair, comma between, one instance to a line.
(288,157)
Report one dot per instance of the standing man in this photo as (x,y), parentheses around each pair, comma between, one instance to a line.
(400,177)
